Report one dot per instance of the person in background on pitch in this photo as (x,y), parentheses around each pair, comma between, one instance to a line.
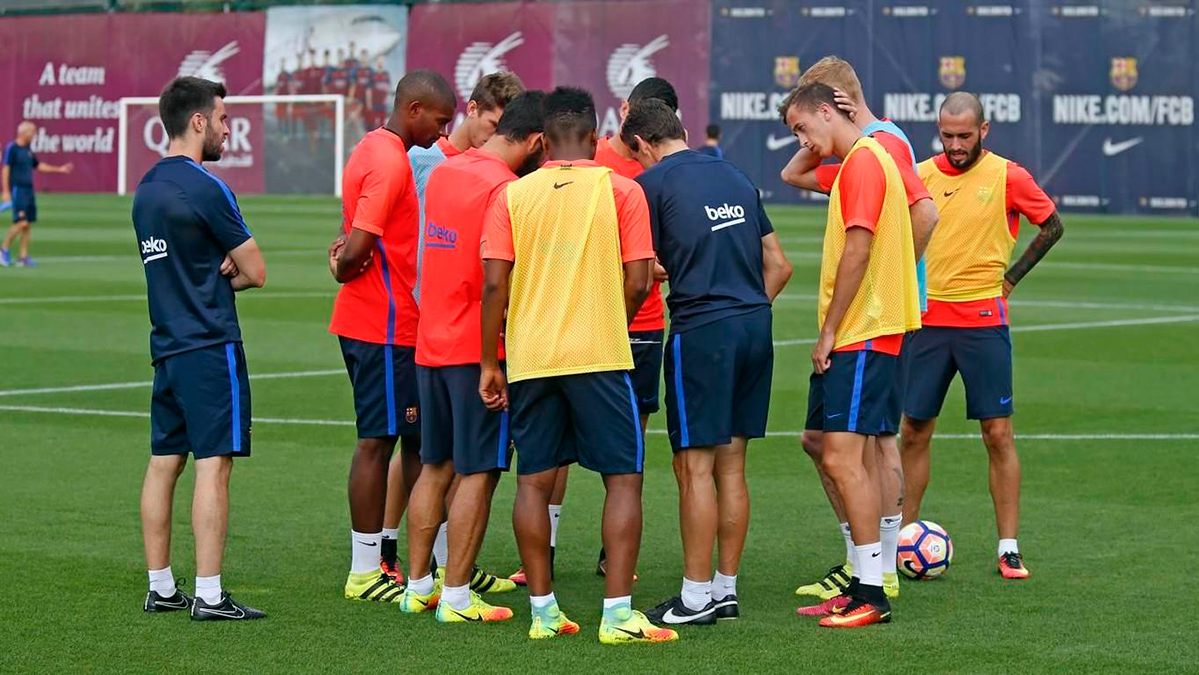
(196,252)
(375,315)
(966,328)
(16,181)
(726,266)
(806,171)
(483,112)
(711,144)
(868,300)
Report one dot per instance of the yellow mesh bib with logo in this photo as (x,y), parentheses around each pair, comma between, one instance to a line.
(971,244)
(566,311)
(888,301)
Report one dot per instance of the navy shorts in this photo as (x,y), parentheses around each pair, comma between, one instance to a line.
(386,401)
(718,381)
(456,425)
(201,403)
(983,356)
(647,368)
(861,392)
(590,418)
(24,206)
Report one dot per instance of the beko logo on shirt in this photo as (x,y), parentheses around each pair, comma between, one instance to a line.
(440,237)
(153,249)
(731,215)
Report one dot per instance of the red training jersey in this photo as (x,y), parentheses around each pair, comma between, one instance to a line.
(894,145)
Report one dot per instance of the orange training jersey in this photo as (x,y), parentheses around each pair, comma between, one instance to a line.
(379,196)
(651,316)
(971,247)
(457,200)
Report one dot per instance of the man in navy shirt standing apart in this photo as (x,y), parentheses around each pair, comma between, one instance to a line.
(726,266)
(196,251)
(16,184)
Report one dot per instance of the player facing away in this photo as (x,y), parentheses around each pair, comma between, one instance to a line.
(197,252)
(567,253)
(483,111)
(726,266)
(375,315)
(868,299)
(981,197)
(806,171)
(16,182)
(465,446)
(649,326)
(711,144)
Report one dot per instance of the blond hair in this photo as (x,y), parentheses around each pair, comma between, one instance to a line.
(836,73)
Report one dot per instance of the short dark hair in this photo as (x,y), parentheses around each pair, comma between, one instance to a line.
(184,97)
(712,131)
(569,114)
(963,101)
(426,86)
(809,97)
(656,87)
(496,90)
(523,116)
(652,120)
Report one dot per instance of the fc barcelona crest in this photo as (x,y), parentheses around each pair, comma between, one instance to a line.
(1124,73)
(953,71)
(786,71)
(410,415)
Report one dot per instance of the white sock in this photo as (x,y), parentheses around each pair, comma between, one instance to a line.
(723,586)
(365,549)
(555,514)
(457,597)
(1008,546)
(208,589)
(613,603)
(869,566)
(848,543)
(696,594)
(162,582)
(542,601)
(392,534)
(421,586)
(441,546)
(888,529)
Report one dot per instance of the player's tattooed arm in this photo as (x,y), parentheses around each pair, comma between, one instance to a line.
(1051,230)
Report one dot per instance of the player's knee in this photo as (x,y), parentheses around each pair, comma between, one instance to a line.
(811,442)
(997,437)
(374,447)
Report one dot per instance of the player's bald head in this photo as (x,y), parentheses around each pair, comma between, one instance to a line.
(26,127)
(963,102)
(425,87)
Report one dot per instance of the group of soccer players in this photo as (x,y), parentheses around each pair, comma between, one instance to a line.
(365,82)
(500,295)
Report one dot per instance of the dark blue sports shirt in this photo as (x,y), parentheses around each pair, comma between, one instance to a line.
(21,163)
(708,222)
(186,220)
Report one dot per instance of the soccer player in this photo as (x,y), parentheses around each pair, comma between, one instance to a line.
(868,299)
(726,266)
(981,197)
(567,253)
(16,181)
(711,144)
(375,315)
(483,111)
(381,89)
(464,442)
(805,171)
(197,252)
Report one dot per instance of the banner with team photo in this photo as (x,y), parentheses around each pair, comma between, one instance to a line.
(357,51)
(597,46)
(67,73)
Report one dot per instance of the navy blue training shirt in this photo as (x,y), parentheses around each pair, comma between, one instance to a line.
(708,223)
(21,163)
(186,220)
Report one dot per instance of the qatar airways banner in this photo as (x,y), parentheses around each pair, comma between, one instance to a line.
(67,73)
(604,47)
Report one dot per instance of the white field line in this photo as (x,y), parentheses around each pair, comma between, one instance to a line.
(659,432)
(138,385)
(132,297)
(1063,304)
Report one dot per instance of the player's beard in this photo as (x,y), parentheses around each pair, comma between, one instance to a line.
(211,152)
(971,157)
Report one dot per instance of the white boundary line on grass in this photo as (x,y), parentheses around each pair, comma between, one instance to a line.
(142,297)
(347,423)
(138,385)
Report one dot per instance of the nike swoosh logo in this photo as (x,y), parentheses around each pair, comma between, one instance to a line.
(477,618)
(639,634)
(875,555)
(1005,400)
(950,194)
(1112,149)
(237,613)
(671,617)
(779,142)
(176,605)
(562,185)
(366,544)
(833,416)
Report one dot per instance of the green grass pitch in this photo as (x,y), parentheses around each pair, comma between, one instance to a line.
(1106,368)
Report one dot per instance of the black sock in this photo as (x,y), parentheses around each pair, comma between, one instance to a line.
(872,594)
(388,550)
(852,589)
